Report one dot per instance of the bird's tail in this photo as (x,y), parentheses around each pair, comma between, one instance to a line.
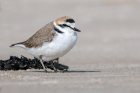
(17,45)
(12,45)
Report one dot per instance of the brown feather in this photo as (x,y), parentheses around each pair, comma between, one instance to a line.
(45,34)
(62,19)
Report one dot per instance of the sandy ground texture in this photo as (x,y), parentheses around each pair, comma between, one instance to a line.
(106,58)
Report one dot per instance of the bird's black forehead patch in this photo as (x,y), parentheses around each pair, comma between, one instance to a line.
(70,21)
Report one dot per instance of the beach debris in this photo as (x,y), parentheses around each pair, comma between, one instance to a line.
(23,63)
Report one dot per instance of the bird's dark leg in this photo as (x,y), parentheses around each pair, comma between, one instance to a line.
(40,58)
(52,63)
(57,60)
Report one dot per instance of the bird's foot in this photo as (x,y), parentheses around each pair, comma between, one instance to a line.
(55,71)
(46,71)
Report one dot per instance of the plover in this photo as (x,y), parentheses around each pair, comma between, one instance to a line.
(52,41)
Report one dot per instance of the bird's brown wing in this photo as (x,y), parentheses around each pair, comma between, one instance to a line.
(45,34)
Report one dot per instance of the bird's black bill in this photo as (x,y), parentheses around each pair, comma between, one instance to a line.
(75,29)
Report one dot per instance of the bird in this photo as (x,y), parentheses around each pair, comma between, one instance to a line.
(52,41)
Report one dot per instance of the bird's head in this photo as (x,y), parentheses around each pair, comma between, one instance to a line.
(65,24)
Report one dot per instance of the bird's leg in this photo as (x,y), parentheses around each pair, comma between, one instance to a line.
(52,63)
(57,60)
(40,57)
(53,66)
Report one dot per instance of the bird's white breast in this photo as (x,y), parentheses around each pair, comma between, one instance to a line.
(60,45)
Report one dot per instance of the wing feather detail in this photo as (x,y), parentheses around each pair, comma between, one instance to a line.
(45,34)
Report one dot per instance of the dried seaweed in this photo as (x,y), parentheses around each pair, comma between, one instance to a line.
(23,63)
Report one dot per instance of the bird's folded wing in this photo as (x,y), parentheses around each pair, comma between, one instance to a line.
(45,34)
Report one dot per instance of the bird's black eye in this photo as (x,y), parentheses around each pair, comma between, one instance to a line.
(64,25)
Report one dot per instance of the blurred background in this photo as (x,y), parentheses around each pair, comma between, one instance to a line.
(110,28)
(109,44)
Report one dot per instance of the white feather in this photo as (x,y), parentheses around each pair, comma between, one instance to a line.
(60,45)
(20,45)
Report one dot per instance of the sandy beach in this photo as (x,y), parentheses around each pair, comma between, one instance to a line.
(105,59)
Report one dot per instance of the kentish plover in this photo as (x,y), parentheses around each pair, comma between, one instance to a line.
(52,41)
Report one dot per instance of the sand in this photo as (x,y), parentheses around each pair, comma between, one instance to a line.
(105,59)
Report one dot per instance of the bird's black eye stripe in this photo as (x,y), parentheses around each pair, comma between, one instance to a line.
(64,25)
(61,26)
(67,26)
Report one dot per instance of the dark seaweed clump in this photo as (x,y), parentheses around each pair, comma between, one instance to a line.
(23,63)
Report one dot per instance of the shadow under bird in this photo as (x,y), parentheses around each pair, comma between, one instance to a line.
(52,41)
